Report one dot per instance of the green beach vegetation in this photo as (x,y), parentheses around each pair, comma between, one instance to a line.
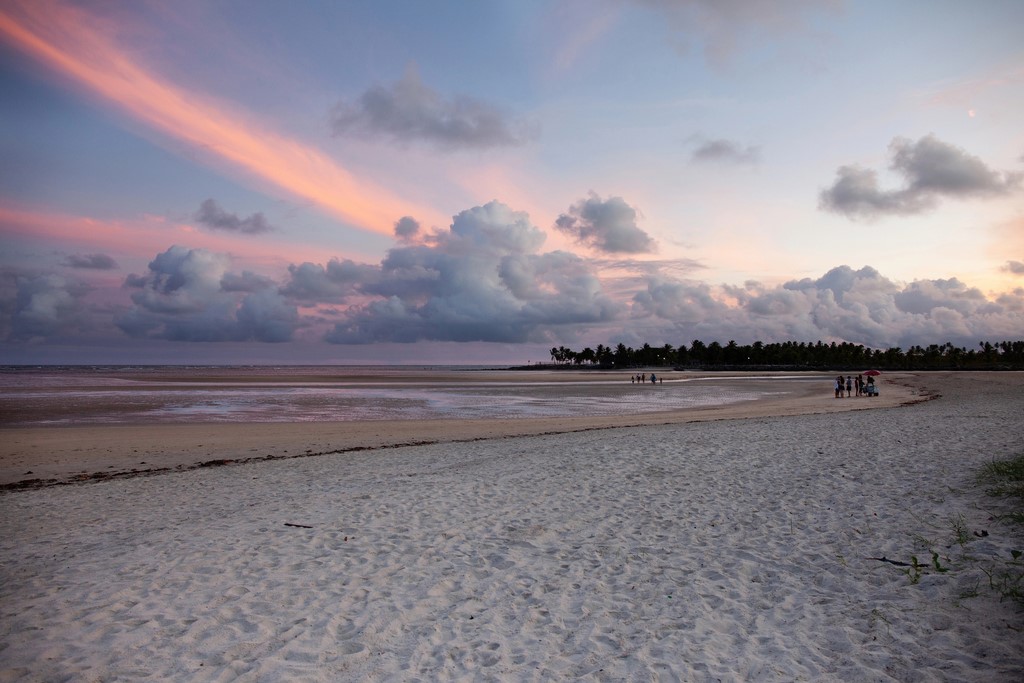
(1003,569)
(1004,479)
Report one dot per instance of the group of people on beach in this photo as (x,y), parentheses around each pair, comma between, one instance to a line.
(642,379)
(863,387)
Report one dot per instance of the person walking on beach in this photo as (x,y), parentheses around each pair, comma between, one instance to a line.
(849,386)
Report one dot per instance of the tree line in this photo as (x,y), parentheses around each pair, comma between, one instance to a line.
(1006,355)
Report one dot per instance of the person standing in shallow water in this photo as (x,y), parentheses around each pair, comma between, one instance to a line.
(849,385)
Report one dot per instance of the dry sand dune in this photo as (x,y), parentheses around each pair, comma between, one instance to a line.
(725,550)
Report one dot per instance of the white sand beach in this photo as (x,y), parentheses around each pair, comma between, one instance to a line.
(737,547)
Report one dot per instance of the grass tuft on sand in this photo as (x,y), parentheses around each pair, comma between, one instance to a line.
(1005,479)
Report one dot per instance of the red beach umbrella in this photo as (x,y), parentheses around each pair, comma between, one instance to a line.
(872,373)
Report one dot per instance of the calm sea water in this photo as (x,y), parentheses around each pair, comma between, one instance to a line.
(70,395)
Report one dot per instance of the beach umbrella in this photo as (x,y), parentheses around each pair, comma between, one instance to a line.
(872,373)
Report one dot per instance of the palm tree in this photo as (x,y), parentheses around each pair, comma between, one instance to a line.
(623,355)
(668,353)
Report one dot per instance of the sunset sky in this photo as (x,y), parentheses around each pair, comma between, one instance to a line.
(475,182)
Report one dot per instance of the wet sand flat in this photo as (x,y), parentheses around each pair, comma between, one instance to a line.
(46,455)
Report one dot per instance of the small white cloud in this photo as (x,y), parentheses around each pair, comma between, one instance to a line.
(726,151)
(91,262)
(213,216)
(607,225)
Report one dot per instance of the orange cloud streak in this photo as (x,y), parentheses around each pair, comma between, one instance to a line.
(72,43)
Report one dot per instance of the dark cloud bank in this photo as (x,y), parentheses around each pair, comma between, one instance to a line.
(487,279)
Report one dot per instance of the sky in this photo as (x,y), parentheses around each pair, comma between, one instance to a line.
(384,181)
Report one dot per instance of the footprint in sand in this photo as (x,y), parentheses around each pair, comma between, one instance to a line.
(343,630)
(350,647)
(499,561)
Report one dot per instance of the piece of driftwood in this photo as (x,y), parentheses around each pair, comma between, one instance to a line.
(300,526)
(895,562)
